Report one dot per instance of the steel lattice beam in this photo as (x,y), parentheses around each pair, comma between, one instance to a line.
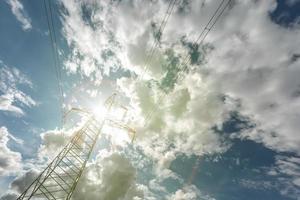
(59,179)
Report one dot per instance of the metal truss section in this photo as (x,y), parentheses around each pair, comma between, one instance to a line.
(59,179)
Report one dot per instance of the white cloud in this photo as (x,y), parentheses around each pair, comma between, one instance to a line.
(184,117)
(10,161)
(6,102)
(182,121)
(253,60)
(17,9)
(9,196)
(250,59)
(86,42)
(190,192)
(19,184)
(12,98)
(184,195)
(16,139)
(257,185)
(110,177)
(52,142)
(292,2)
(111,36)
(287,172)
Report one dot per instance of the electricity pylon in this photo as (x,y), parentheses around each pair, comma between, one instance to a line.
(59,179)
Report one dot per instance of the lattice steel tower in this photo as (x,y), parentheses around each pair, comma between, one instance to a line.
(59,179)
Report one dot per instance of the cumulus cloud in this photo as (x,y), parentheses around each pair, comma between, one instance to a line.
(190,110)
(240,60)
(182,121)
(248,64)
(187,113)
(181,195)
(252,69)
(20,184)
(106,36)
(88,43)
(12,99)
(10,161)
(287,171)
(52,141)
(17,9)
(9,196)
(109,177)
(243,61)
(189,193)
(283,176)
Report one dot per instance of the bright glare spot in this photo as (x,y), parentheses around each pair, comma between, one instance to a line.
(117,113)
(99,112)
(119,137)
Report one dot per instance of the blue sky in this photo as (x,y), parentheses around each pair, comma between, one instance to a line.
(228,130)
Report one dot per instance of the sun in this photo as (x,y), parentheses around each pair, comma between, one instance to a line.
(115,113)
(99,112)
(115,123)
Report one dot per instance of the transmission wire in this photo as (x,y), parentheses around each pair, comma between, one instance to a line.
(187,58)
(53,41)
(156,42)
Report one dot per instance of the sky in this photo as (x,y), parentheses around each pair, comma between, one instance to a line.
(216,118)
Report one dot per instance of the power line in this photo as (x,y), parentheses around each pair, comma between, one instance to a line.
(211,23)
(53,41)
(160,31)
(56,50)
(199,41)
